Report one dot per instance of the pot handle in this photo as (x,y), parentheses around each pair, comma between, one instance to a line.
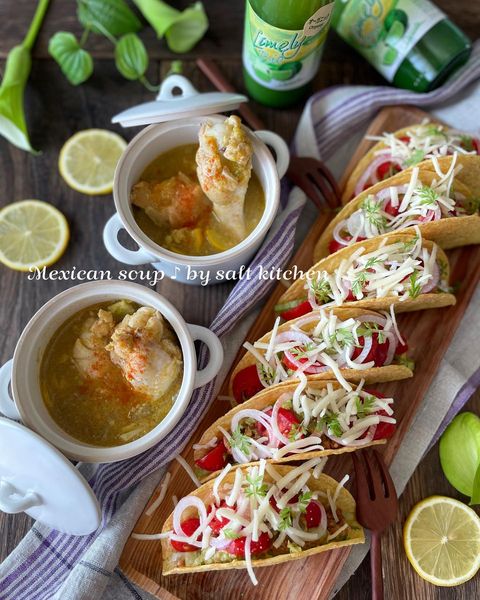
(215,349)
(12,505)
(110,238)
(7,403)
(281,149)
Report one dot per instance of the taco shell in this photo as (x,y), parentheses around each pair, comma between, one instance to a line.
(331,262)
(345,502)
(362,165)
(373,375)
(260,401)
(447,233)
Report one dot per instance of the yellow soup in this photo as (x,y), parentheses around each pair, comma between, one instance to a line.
(186,223)
(111,373)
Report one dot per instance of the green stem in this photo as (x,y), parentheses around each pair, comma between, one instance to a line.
(35,24)
(150,87)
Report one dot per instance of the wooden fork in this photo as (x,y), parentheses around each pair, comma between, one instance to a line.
(377,507)
(309,174)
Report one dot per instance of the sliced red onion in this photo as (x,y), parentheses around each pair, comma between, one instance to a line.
(336,233)
(386,194)
(219,543)
(370,173)
(278,434)
(364,353)
(309,318)
(182,505)
(251,413)
(303,366)
(293,336)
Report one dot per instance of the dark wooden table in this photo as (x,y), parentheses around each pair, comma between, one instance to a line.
(56,110)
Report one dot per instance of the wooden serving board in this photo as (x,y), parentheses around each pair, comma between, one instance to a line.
(428,333)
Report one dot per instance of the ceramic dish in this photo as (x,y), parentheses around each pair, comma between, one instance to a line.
(22,372)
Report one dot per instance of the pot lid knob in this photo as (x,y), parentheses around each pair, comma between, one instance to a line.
(178,99)
(37,479)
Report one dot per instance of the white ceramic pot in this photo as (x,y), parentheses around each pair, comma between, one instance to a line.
(140,152)
(22,372)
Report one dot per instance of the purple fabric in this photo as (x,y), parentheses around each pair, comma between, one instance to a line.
(463,396)
(39,576)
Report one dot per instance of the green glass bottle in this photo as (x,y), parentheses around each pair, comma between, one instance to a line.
(282,48)
(411,43)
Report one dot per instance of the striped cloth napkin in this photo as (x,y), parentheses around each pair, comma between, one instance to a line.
(48,564)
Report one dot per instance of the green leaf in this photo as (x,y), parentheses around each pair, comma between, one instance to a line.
(114,16)
(475,499)
(131,58)
(182,30)
(460,452)
(75,62)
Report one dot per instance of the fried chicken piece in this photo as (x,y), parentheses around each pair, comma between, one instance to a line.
(224,167)
(144,349)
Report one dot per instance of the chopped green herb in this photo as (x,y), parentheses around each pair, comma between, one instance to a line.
(373,212)
(240,441)
(256,487)
(415,288)
(304,500)
(428,196)
(285,519)
(368,329)
(331,422)
(322,290)
(358,283)
(372,261)
(364,408)
(296,430)
(342,336)
(301,351)
(416,157)
(402,359)
(435,130)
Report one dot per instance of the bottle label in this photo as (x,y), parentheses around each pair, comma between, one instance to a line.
(284,59)
(385,31)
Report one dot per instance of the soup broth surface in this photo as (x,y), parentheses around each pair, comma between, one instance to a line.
(207,236)
(105,410)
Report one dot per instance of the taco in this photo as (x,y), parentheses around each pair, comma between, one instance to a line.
(396,268)
(294,422)
(257,516)
(347,344)
(403,149)
(441,197)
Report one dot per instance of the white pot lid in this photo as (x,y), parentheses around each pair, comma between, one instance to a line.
(37,479)
(170,107)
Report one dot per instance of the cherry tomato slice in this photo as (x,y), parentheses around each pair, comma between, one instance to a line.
(286,419)
(405,138)
(391,210)
(387,169)
(218,523)
(188,527)
(246,383)
(274,505)
(333,246)
(313,514)
(378,352)
(297,311)
(237,547)
(291,365)
(215,459)
(384,431)
(476,145)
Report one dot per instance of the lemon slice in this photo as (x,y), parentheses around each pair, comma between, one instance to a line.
(442,540)
(88,159)
(32,234)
